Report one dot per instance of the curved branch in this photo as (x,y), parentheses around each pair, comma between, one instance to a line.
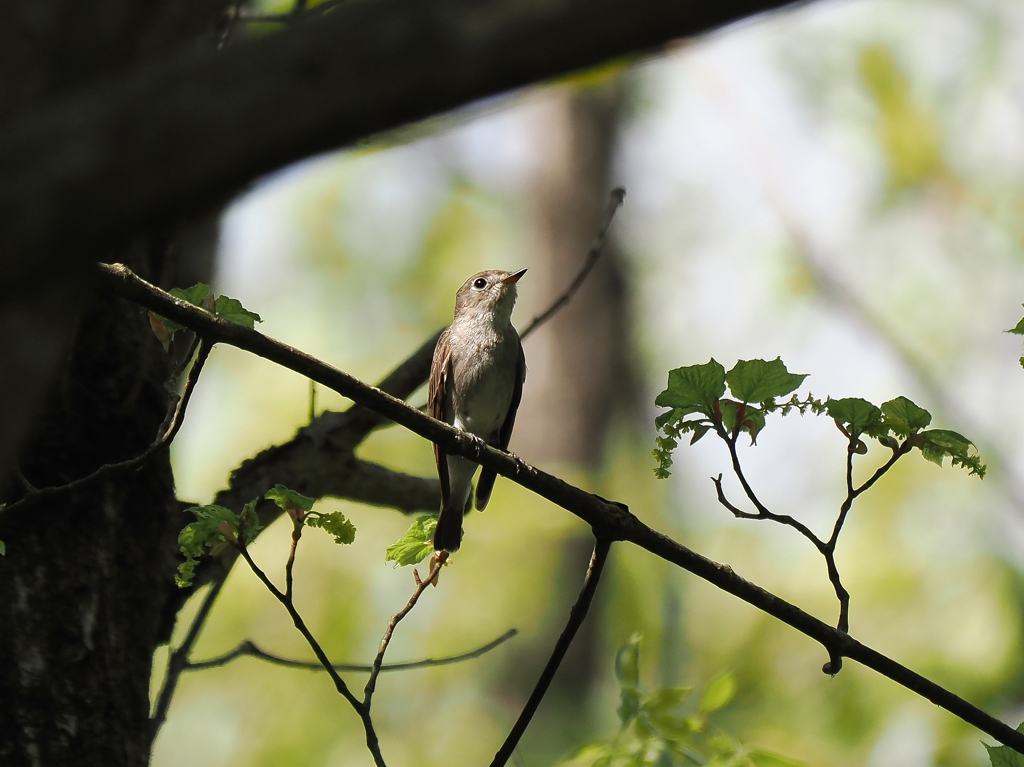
(609,520)
(250,649)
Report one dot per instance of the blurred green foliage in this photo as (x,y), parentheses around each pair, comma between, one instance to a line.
(664,728)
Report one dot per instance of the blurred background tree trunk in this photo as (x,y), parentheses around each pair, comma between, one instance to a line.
(580,383)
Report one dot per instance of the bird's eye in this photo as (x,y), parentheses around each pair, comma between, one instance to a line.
(480,283)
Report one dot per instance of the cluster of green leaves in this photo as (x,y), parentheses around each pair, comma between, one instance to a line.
(900,419)
(696,396)
(1004,756)
(214,528)
(300,508)
(700,390)
(416,545)
(217,526)
(661,730)
(200,295)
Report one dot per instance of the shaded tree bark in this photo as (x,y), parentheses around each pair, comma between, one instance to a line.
(85,592)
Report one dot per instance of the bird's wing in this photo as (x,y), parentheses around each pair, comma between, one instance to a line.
(440,380)
(487,476)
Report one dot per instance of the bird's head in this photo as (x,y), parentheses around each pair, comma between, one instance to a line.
(492,291)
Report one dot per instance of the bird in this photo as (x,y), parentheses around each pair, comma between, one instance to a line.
(476,384)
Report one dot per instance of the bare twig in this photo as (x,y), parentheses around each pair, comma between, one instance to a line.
(610,520)
(576,617)
(826,548)
(615,199)
(167,432)
(371,683)
(249,649)
(372,742)
(178,660)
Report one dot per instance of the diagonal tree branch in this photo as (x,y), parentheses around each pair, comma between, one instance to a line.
(576,617)
(609,520)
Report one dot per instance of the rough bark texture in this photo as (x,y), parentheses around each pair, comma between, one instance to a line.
(86,593)
(86,587)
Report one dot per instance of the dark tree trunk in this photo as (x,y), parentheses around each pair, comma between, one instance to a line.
(86,586)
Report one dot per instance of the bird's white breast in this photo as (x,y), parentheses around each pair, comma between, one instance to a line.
(484,363)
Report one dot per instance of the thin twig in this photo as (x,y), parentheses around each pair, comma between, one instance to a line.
(762,510)
(339,683)
(421,586)
(168,431)
(178,661)
(576,617)
(372,741)
(249,649)
(613,520)
(615,199)
(290,564)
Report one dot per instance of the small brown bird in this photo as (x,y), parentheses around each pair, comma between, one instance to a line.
(476,383)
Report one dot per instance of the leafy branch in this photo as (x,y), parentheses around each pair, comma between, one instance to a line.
(756,386)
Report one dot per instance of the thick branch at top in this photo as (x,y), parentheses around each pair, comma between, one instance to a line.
(181,134)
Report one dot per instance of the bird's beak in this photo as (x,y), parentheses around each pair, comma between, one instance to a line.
(514,277)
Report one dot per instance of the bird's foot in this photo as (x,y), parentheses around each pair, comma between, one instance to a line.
(477,444)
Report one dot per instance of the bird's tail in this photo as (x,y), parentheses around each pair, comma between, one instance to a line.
(448,533)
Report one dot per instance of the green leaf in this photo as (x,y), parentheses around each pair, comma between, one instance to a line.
(627,663)
(289,499)
(904,417)
(416,545)
(1004,756)
(629,705)
(762,758)
(206,532)
(760,381)
(752,421)
(936,444)
(694,389)
(1018,328)
(699,431)
(197,295)
(334,523)
(858,415)
(248,521)
(231,309)
(718,693)
(3,549)
(660,709)
(666,700)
